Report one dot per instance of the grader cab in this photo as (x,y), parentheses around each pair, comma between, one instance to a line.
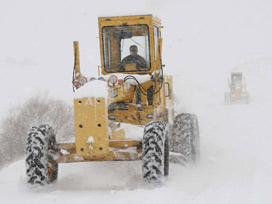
(237,92)
(133,89)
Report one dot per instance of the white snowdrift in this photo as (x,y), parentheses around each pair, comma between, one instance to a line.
(94,88)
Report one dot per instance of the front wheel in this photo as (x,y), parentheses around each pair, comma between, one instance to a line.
(155,154)
(40,148)
(227,98)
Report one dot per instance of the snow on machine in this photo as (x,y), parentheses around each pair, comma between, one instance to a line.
(133,89)
(238,91)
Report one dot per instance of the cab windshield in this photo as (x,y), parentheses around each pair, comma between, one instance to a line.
(237,78)
(126,48)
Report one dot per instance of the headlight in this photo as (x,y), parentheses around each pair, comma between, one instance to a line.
(113,79)
(120,81)
(76,83)
(101,79)
(82,80)
(111,117)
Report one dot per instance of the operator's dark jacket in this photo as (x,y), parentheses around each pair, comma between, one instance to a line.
(137,59)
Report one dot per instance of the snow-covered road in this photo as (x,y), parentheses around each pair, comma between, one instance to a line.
(235,164)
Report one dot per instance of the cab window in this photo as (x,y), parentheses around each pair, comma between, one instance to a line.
(126,48)
(156,35)
(236,78)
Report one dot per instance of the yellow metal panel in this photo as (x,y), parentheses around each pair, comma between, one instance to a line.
(77,62)
(167,99)
(91,126)
(238,93)
(159,54)
(131,67)
(112,156)
(127,18)
(124,93)
(134,116)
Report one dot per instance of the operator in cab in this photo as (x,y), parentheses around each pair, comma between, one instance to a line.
(133,58)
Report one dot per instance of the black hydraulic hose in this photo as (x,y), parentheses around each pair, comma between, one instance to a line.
(141,88)
(74,70)
(139,84)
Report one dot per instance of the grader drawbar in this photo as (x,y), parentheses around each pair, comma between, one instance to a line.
(133,89)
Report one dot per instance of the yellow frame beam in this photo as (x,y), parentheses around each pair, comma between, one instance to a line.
(71,147)
(111,156)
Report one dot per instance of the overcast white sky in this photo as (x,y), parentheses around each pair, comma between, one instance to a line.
(200,36)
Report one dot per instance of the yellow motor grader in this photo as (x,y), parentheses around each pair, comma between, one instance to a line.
(133,89)
(237,92)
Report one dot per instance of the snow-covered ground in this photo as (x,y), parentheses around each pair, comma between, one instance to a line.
(235,162)
(210,40)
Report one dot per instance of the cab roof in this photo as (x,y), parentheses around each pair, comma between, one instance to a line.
(139,18)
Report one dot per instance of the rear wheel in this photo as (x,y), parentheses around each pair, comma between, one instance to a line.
(227,98)
(185,137)
(40,150)
(155,154)
(246,98)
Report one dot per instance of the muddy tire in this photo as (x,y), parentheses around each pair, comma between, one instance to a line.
(40,149)
(185,137)
(155,154)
